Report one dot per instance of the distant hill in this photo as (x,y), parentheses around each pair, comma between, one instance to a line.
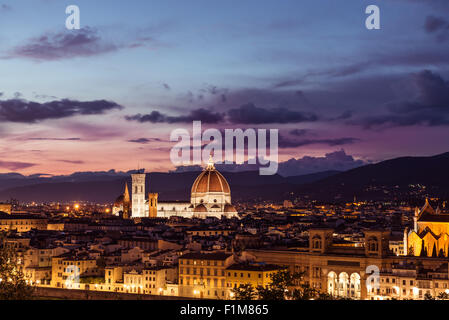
(386,179)
(170,186)
(392,179)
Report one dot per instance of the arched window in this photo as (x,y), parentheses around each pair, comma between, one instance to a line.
(343,284)
(316,242)
(355,288)
(332,283)
(373,244)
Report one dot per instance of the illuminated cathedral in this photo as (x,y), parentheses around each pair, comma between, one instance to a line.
(210,197)
(430,234)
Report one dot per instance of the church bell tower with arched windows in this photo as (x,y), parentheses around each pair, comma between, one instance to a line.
(138,195)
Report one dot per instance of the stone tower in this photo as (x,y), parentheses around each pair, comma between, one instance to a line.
(138,195)
(126,203)
(152,205)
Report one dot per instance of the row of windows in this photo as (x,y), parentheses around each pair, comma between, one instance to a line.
(196,281)
(200,271)
(201,262)
(259,275)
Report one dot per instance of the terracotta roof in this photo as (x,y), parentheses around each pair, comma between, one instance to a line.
(255,267)
(210,180)
(206,256)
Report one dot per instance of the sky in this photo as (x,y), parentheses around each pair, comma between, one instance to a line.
(107,96)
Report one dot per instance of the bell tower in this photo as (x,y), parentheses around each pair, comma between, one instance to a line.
(138,195)
(152,204)
(126,203)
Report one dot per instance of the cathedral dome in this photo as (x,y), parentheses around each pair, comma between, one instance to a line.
(210,180)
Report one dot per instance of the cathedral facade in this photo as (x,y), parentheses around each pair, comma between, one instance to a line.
(210,197)
(430,235)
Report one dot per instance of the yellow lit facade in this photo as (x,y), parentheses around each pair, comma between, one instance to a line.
(256,275)
(430,235)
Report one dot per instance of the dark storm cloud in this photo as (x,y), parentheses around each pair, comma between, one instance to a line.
(201,114)
(23,111)
(430,106)
(250,114)
(13,165)
(294,143)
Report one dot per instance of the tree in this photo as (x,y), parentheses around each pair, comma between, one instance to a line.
(280,286)
(283,286)
(244,292)
(443,296)
(428,296)
(13,285)
(305,292)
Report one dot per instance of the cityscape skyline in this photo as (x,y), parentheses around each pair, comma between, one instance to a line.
(108,95)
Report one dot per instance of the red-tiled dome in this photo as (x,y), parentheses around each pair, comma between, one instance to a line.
(210,180)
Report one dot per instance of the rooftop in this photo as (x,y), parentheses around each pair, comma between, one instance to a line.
(206,256)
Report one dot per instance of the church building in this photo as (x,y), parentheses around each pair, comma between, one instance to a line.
(430,235)
(210,197)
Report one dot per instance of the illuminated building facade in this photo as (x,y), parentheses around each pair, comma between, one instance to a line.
(430,235)
(203,275)
(350,271)
(210,197)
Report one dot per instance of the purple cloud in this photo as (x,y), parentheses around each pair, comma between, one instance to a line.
(63,45)
(15,165)
(430,106)
(338,160)
(201,114)
(55,139)
(292,143)
(250,114)
(23,111)
(145,140)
